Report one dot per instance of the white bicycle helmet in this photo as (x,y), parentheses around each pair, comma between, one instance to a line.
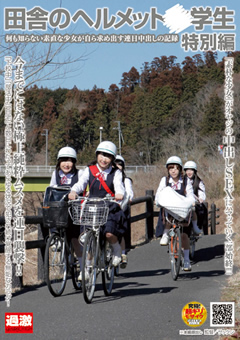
(67,151)
(107,147)
(174,160)
(120,158)
(190,165)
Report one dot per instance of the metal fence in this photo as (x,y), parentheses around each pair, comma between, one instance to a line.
(42,169)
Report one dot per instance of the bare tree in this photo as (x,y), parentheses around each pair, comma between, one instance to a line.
(44,61)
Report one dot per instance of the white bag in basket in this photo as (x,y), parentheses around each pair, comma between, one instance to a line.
(177,205)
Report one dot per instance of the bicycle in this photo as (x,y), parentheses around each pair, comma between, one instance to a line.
(59,257)
(97,252)
(178,221)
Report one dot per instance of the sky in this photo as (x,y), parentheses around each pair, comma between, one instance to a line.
(103,64)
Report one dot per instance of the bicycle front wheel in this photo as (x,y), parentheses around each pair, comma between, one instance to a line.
(108,269)
(89,264)
(55,265)
(116,271)
(175,253)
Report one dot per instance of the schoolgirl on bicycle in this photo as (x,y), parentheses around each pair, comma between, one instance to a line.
(120,162)
(66,174)
(104,178)
(182,186)
(190,168)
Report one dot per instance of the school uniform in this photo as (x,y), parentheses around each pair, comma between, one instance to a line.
(128,188)
(127,211)
(116,223)
(184,188)
(60,179)
(201,210)
(200,190)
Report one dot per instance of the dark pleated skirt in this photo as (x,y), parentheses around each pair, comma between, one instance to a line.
(160,226)
(116,222)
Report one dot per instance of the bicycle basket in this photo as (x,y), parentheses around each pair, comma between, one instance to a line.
(179,214)
(55,194)
(89,213)
(55,215)
(55,211)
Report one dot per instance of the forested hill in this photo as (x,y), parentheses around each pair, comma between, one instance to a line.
(165,108)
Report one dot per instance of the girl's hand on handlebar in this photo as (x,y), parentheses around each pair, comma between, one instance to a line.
(118,197)
(73,195)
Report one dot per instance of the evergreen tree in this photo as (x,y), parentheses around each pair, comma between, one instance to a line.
(213,119)
(69,130)
(148,115)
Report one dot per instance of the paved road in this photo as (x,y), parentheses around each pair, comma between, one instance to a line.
(145,304)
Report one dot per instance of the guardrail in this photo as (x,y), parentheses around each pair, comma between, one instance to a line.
(38,169)
(148,215)
(38,219)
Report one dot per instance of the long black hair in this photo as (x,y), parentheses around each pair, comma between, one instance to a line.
(196,181)
(120,162)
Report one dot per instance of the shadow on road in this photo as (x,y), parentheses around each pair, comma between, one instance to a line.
(196,275)
(120,293)
(207,254)
(204,255)
(27,289)
(138,290)
(145,273)
(24,290)
(121,289)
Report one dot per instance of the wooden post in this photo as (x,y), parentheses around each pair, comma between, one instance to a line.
(128,233)
(17,281)
(149,211)
(213,219)
(42,234)
(205,221)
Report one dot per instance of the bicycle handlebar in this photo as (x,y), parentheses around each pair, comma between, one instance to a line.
(64,198)
(107,198)
(87,211)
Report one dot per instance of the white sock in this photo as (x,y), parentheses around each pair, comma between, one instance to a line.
(195,227)
(115,247)
(194,223)
(186,254)
(165,231)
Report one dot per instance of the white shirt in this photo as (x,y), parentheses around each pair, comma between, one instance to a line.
(69,176)
(201,193)
(162,185)
(80,186)
(129,188)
